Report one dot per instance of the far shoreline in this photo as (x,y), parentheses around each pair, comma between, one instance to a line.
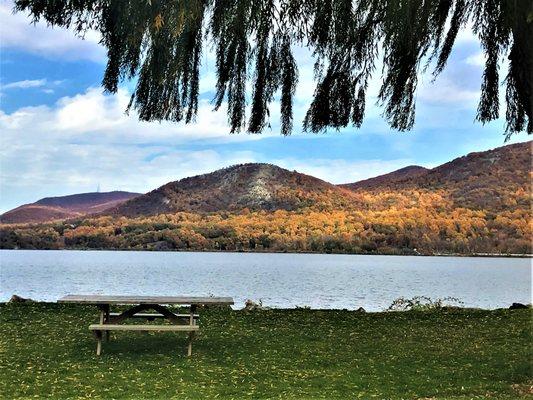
(471,255)
(259,307)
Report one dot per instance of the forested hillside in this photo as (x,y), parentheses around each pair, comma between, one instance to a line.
(252,186)
(63,207)
(479,203)
(495,181)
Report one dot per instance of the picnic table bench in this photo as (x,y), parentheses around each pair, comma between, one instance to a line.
(112,321)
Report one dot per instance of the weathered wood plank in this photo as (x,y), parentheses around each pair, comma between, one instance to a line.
(103,299)
(154,315)
(166,312)
(160,328)
(129,313)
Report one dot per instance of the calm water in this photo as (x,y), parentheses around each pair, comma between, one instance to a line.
(279,280)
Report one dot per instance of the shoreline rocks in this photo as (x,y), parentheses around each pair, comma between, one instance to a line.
(517,306)
(19,299)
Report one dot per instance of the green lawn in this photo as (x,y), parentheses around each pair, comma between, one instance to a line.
(46,350)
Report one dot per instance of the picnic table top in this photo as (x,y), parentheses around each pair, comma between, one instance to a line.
(103,299)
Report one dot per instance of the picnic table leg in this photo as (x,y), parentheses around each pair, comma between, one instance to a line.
(106,320)
(104,317)
(191,334)
(98,342)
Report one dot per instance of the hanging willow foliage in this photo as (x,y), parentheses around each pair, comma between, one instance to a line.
(160,42)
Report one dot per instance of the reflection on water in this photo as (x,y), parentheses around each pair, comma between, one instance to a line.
(279,280)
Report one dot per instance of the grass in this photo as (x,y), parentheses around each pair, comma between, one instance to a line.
(46,350)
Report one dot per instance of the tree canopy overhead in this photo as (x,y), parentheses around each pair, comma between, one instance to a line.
(160,42)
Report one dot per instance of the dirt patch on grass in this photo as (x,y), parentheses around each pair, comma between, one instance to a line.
(523,389)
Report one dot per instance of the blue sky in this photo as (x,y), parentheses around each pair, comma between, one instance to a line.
(60,134)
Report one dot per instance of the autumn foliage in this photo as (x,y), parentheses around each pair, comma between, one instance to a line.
(418,220)
(476,204)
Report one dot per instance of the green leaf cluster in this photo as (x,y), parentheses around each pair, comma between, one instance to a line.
(161,43)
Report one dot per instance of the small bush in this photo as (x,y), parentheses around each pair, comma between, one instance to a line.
(423,303)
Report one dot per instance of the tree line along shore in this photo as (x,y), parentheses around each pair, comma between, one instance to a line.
(394,231)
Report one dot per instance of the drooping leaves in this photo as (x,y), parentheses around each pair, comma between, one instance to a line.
(161,44)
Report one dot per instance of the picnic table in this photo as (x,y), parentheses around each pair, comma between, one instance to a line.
(112,321)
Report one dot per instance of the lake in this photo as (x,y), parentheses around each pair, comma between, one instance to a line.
(279,280)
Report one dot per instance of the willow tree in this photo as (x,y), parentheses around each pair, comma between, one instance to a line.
(160,43)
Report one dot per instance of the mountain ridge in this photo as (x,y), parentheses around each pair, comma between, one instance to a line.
(64,207)
(397,175)
(479,180)
(256,186)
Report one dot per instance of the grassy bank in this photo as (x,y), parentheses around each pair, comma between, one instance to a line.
(47,350)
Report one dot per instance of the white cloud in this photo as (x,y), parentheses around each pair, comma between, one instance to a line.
(25,84)
(17,32)
(466,35)
(93,116)
(448,92)
(43,85)
(477,59)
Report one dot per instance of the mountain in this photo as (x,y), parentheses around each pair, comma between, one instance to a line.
(55,208)
(245,186)
(479,203)
(493,180)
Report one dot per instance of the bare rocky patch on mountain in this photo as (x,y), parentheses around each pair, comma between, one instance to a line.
(245,186)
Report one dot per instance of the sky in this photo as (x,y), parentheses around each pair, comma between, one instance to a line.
(61,134)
